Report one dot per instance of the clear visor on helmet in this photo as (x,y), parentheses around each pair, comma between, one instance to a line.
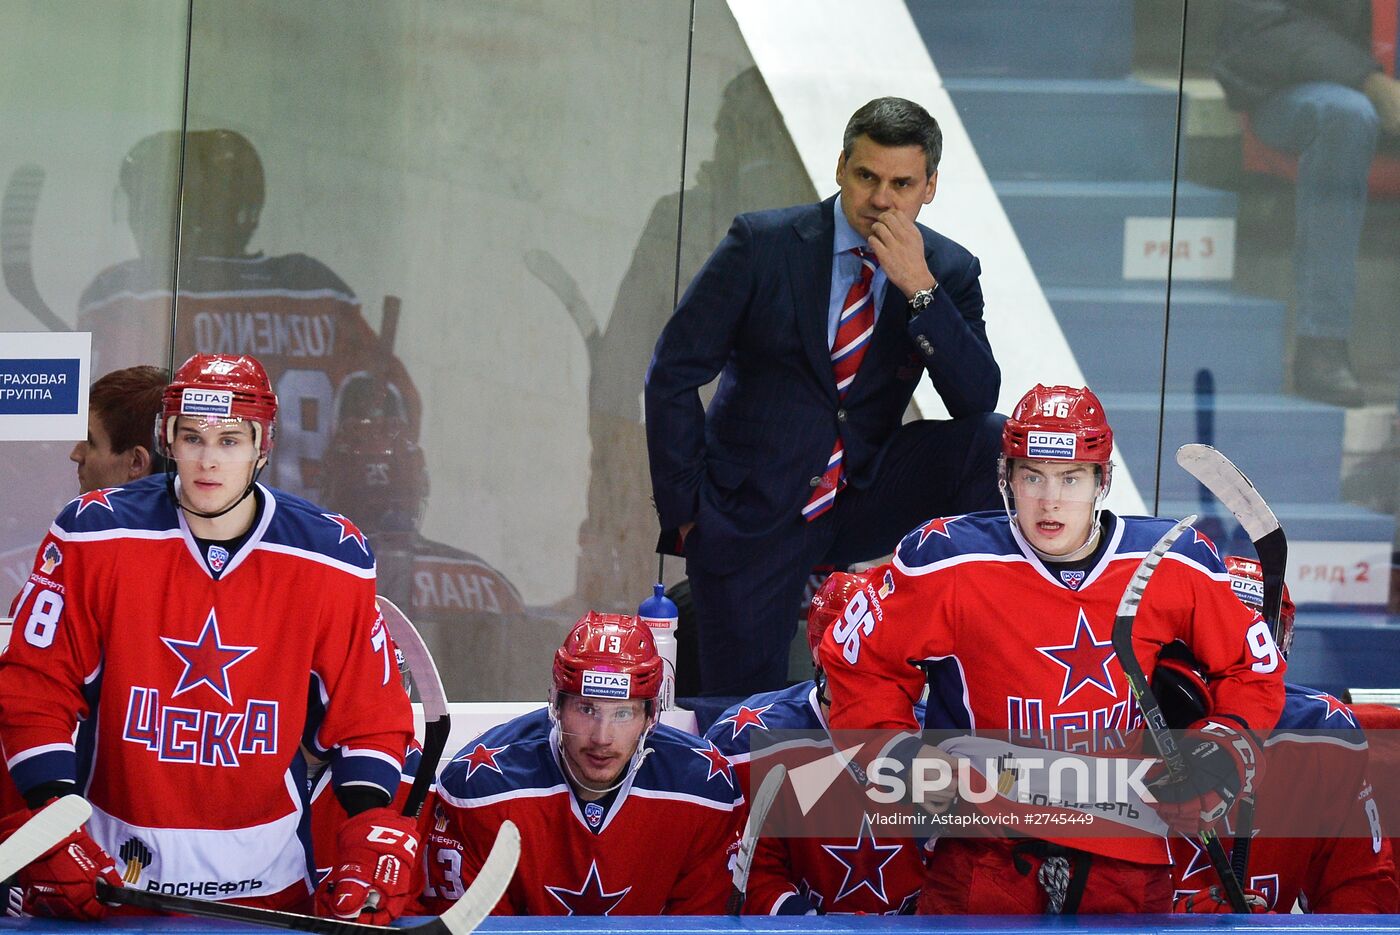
(579,714)
(1045,481)
(209,439)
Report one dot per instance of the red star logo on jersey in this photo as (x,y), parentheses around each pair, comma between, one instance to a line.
(1085,660)
(480,757)
(348,530)
(97,498)
(719,766)
(864,862)
(1204,540)
(207,659)
(590,899)
(939,526)
(1198,862)
(746,717)
(1334,707)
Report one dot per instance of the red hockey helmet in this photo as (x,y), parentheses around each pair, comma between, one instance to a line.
(1058,423)
(218,387)
(828,604)
(1247,581)
(608,656)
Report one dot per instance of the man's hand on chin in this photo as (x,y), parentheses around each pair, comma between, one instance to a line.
(899,247)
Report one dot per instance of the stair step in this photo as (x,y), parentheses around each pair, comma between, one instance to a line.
(1029,38)
(1337,650)
(1117,333)
(1074,232)
(1115,129)
(1319,523)
(1287,446)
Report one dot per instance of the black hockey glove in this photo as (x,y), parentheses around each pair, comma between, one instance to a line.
(1223,763)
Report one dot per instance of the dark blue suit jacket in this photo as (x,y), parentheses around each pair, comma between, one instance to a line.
(757,312)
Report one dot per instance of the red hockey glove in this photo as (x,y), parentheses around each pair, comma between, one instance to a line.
(62,883)
(374,873)
(1213,902)
(1222,763)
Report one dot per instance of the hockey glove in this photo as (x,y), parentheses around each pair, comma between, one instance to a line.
(1223,763)
(62,882)
(1213,902)
(374,873)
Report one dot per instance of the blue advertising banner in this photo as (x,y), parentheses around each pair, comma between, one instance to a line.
(36,386)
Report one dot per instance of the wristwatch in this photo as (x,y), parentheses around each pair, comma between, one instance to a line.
(922,299)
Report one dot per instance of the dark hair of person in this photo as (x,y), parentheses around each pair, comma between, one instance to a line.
(127,402)
(893,121)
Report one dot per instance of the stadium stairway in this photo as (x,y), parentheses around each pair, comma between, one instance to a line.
(1078,152)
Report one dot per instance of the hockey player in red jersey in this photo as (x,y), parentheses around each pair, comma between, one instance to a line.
(859,873)
(1010,614)
(618,815)
(1314,781)
(198,629)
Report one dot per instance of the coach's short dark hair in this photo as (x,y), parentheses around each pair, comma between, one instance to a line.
(127,402)
(893,121)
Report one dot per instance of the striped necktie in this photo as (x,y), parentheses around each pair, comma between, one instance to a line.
(853,333)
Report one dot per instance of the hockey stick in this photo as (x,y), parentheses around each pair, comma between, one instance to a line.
(17,208)
(437,723)
(1152,711)
(544,267)
(42,831)
(1232,488)
(1220,476)
(1210,521)
(753,830)
(460,919)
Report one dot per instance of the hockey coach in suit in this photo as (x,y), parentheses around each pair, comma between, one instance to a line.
(819,319)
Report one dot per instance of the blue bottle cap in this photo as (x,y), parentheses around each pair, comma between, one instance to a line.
(658,606)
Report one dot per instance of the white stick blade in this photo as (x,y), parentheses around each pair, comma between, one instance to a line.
(1220,476)
(43,831)
(486,890)
(753,828)
(420,660)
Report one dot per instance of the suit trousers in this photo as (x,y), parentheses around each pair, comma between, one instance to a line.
(747,617)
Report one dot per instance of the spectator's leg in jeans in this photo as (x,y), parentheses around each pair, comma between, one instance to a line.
(1332,129)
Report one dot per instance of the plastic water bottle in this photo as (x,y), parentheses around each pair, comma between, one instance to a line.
(659,612)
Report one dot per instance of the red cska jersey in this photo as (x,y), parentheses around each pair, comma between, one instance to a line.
(1011,646)
(1315,764)
(192,694)
(661,848)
